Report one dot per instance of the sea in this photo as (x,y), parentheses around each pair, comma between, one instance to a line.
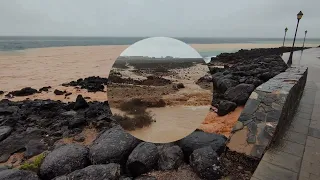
(14,43)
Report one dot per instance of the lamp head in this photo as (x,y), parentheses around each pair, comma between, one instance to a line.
(299,15)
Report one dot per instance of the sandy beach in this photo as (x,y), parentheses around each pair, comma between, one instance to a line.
(56,65)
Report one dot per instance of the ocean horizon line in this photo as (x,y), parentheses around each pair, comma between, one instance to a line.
(192,37)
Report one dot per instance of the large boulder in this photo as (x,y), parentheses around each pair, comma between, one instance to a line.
(225,107)
(96,172)
(142,159)
(205,162)
(15,174)
(216,98)
(4,132)
(80,103)
(224,84)
(170,158)
(24,92)
(113,146)
(240,93)
(200,139)
(64,160)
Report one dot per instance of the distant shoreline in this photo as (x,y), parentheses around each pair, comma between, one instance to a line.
(9,43)
(198,47)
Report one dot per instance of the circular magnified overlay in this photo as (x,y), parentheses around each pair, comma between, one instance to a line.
(157,91)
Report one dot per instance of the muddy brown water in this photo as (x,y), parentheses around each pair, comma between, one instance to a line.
(172,123)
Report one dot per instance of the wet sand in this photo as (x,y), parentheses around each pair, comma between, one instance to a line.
(221,124)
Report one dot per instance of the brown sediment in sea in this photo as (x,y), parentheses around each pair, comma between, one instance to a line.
(221,124)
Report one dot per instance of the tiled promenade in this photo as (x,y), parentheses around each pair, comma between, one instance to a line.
(297,154)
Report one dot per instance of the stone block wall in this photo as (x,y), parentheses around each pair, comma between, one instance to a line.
(268,110)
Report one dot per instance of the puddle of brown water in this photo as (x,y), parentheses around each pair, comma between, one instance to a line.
(238,142)
(172,123)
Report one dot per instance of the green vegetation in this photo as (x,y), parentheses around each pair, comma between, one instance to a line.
(35,165)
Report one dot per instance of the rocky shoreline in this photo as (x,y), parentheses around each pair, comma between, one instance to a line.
(243,71)
(35,128)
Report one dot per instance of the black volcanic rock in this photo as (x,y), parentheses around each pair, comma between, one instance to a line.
(19,141)
(15,174)
(113,146)
(97,172)
(4,132)
(80,103)
(142,159)
(92,83)
(224,107)
(64,160)
(34,147)
(205,162)
(170,158)
(45,121)
(252,54)
(27,91)
(58,92)
(68,94)
(224,84)
(200,139)
(240,93)
(46,88)
(252,67)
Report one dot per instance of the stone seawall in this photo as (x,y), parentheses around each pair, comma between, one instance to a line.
(268,110)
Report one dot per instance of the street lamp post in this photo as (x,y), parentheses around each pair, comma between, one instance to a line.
(305,34)
(284,38)
(299,16)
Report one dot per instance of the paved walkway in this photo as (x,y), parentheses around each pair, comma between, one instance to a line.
(297,156)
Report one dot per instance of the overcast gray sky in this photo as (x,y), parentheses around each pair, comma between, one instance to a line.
(161,47)
(175,18)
